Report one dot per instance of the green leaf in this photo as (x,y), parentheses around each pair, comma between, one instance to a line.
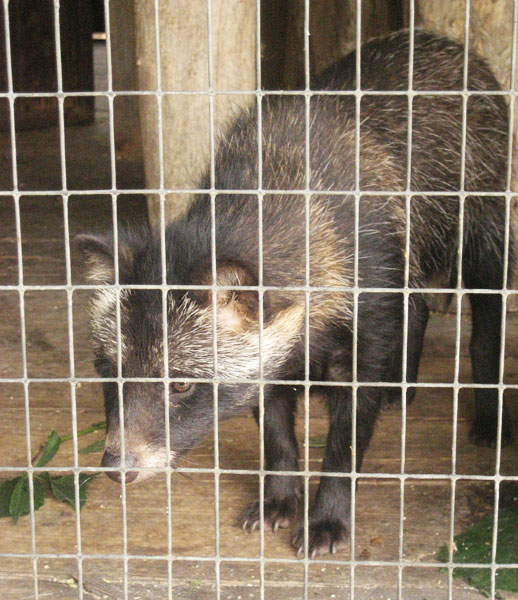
(63,488)
(97,426)
(19,504)
(6,491)
(97,446)
(93,427)
(474,546)
(50,449)
(15,495)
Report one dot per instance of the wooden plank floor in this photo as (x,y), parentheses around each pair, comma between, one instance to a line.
(428,450)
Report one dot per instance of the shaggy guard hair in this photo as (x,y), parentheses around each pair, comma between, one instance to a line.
(358,223)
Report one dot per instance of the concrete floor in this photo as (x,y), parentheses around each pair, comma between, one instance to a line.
(428,440)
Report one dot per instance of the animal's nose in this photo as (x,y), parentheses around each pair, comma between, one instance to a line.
(113,459)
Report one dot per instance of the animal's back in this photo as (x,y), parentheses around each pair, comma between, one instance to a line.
(436,163)
(437,137)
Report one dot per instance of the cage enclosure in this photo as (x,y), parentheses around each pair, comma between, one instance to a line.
(299,203)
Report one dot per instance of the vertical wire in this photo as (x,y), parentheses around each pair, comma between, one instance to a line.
(459,293)
(507,241)
(117,286)
(404,365)
(307,198)
(110,95)
(356,292)
(16,198)
(21,291)
(70,316)
(504,295)
(214,288)
(260,197)
(165,325)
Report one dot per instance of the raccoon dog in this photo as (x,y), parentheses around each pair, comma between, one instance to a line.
(263,299)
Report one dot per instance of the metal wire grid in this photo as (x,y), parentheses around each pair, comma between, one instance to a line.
(161,191)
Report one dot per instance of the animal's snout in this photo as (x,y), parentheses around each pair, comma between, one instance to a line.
(113,459)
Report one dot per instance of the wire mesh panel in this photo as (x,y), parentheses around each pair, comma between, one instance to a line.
(179,349)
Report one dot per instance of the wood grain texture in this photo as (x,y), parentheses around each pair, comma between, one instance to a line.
(184,63)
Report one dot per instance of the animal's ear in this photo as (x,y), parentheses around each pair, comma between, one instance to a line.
(280,336)
(236,310)
(97,251)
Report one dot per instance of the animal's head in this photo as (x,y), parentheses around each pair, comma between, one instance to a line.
(127,327)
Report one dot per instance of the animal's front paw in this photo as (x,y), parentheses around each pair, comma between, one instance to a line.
(484,429)
(324,536)
(277,513)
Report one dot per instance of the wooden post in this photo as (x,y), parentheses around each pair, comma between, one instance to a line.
(332,25)
(128,142)
(184,61)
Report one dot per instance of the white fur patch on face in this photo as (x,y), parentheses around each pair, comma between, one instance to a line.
(228,317)
(103,312)
(190,338)
(99,270)
(240,353)
(191,348)
(152,458)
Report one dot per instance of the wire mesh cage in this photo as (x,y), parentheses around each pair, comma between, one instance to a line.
(180,348)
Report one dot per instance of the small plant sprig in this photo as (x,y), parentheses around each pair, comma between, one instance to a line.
(475,546)
(15,494)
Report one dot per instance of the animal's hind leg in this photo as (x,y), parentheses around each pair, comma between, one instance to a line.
(418,313)
(485,359)
(282,493)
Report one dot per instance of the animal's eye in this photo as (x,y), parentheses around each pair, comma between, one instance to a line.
(181,387)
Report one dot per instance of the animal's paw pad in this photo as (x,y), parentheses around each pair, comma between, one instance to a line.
(324,537)
(278,513)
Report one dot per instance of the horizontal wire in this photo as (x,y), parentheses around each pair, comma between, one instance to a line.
(255,191)
(296,561)
(259,472)
(258,93)
(232,381)
(255,288)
